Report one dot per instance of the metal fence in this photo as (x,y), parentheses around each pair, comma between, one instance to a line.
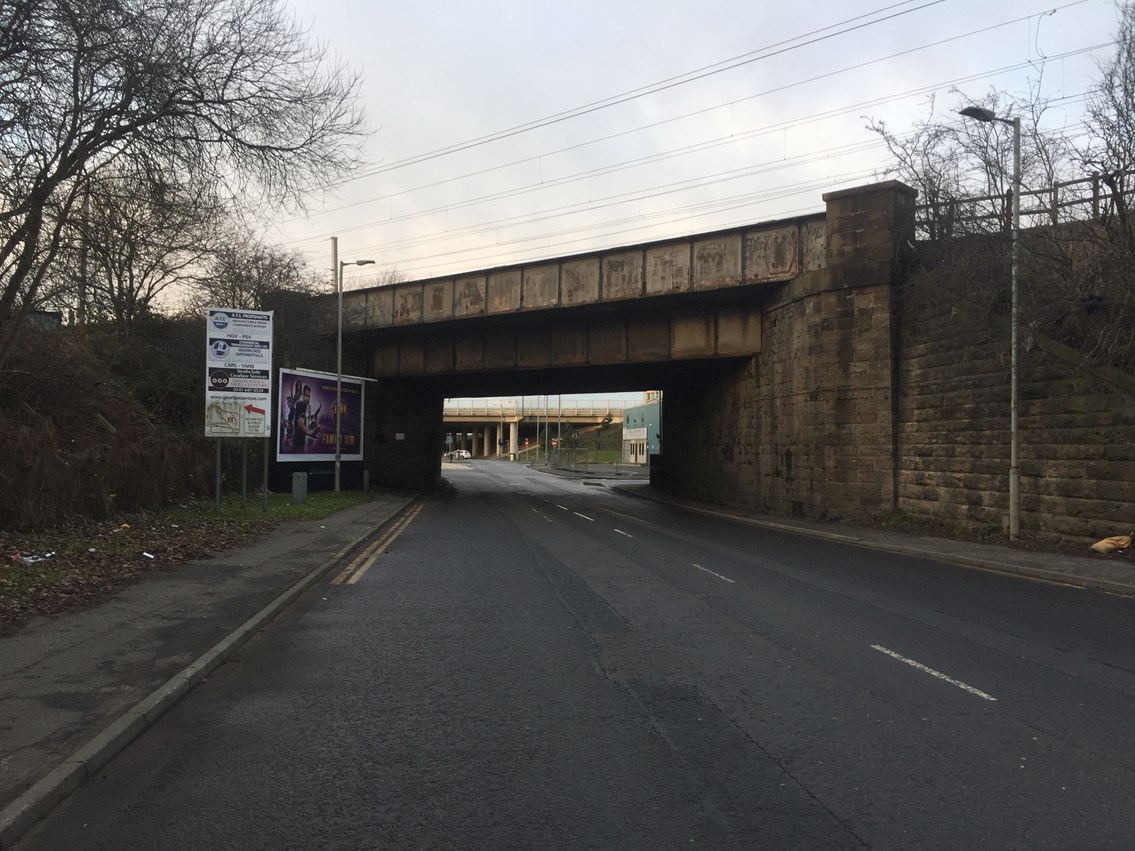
(1087,199)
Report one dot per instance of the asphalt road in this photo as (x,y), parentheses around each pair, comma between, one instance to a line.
(535,662)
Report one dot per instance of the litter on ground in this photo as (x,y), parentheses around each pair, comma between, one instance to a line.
(1116,543)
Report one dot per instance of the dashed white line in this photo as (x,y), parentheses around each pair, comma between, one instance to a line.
(933,673)
(718,575)
(557,505)
(628,517)
(584,516)
(621,532)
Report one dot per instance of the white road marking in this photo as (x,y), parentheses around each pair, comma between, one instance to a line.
(584,516)
(628,517)
(718,575)
(933,673)
(557,505)
(621,532)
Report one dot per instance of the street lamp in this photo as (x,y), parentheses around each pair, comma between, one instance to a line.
(987,115)
(339,366)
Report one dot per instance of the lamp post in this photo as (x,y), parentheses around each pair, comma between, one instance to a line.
(987,115)
(339,365)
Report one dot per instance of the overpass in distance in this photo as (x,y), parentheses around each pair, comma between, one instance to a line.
(492,421)
(771,344)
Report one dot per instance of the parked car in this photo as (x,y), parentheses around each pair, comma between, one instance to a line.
(462,454)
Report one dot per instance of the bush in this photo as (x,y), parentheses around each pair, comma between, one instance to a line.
(95,425)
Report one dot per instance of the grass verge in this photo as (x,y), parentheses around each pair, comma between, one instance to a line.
(52,570)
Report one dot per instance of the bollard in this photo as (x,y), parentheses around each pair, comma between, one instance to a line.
(299,488)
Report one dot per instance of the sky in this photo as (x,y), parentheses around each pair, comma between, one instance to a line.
(505,132)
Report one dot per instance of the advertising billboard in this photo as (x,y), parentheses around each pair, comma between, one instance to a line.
(238,372)
(306,417)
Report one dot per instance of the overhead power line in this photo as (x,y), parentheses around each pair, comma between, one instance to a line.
(776,49)
(655,158)
(643,193)
(706,110)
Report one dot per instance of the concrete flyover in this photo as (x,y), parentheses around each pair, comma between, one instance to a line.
(498,429)
(771,344)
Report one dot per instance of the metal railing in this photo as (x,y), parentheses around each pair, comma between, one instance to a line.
(1089,198)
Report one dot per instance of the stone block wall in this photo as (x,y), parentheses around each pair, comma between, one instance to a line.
(1076,425)
(805,428)
(824,397)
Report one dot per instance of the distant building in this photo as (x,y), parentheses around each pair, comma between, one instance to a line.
(642,429)
(45,320)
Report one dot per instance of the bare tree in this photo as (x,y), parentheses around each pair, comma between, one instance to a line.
(1076,270)
(928,159)
(963,169)
(245,272)
(130,242)
(1110,119)
(226,92)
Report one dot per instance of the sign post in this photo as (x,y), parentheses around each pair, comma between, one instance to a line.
(238,378)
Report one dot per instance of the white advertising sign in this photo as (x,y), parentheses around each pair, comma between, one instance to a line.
(238,373)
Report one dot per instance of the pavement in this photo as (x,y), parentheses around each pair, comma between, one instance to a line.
(78,687)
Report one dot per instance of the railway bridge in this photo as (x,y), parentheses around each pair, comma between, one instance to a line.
(771,342)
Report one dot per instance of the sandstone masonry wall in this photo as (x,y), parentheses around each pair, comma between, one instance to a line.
(1076,425)
(824,396)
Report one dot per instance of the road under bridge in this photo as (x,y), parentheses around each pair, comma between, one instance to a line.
(771,343)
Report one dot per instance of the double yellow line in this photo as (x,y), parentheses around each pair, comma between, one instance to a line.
(362,562)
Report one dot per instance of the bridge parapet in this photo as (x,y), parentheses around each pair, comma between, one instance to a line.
(767,253)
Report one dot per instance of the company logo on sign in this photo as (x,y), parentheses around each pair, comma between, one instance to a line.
(220,348)
(220,321)
(218,378)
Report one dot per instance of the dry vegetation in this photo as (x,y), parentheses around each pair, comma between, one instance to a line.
(89,560)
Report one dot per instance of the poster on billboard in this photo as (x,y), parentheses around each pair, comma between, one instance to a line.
(307,417)
(238,372)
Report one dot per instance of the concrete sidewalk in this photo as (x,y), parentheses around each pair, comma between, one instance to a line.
(76,688)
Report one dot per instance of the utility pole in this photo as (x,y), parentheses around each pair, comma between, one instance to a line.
(987,115)
(336,275)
